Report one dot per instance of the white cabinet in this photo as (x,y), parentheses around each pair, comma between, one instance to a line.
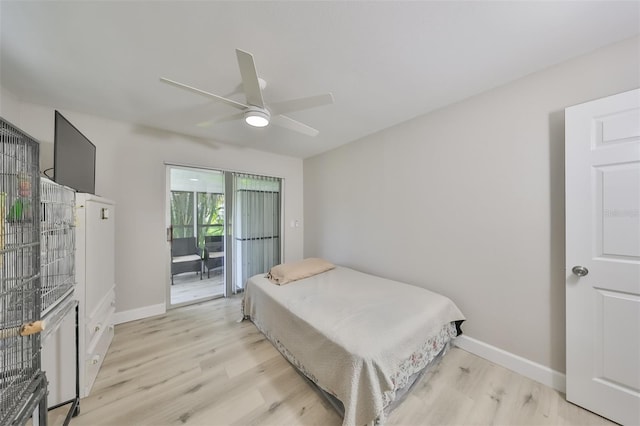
(95,288)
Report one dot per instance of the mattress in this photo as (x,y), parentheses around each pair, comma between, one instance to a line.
(358,337)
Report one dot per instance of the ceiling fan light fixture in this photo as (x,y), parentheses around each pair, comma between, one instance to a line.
(257,117)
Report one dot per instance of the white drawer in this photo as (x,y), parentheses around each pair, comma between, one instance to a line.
(95,357)
(97,326)
(109,299)
(102,318)
(98,329)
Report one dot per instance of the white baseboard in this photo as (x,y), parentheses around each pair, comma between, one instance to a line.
(520,365)
(139,313)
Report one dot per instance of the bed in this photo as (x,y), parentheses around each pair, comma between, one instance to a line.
(360,338)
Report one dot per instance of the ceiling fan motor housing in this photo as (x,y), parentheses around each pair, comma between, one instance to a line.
(256,116)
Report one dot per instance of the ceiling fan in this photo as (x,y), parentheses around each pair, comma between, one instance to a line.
(255,112)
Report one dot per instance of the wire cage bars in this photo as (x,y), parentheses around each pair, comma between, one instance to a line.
(22,383)
(57,243)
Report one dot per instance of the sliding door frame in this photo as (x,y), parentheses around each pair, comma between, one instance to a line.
(229,258)
(229,261)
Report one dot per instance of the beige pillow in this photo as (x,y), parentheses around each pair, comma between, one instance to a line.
(288,272)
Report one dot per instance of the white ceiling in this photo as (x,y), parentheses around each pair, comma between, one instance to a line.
(384,62)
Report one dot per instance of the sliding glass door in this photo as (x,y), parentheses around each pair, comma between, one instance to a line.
(257,226)
(224,240)
(196,223)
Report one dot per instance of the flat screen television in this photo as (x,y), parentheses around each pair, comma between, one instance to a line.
(74,157)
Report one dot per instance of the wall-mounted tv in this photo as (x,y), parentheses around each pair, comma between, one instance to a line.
(74,157)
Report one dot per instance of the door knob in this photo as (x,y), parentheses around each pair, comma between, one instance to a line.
(580,271)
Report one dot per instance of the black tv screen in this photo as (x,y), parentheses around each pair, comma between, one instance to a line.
(74,157)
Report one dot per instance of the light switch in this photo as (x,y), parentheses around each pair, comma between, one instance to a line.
(105,213)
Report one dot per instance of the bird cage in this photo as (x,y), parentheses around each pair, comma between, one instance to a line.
(57,243)
(22,383)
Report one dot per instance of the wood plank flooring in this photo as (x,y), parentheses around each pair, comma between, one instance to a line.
(197,365)
(188,287)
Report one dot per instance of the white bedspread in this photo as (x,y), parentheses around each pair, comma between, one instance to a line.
(350,332)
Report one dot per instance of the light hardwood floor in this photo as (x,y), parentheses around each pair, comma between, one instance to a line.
(197,365)
(188,287)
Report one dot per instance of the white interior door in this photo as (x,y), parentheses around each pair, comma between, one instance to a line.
(603,256)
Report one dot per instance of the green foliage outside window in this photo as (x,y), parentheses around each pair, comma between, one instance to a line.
(209,214)
(182,214)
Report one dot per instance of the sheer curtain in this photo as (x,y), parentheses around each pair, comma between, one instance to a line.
(256,225)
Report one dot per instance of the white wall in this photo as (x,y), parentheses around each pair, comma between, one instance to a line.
(130,170)
(469,201)
(9,106)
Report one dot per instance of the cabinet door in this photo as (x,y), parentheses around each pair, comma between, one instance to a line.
(59,362)
(99,251)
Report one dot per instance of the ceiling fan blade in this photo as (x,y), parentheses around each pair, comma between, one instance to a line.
(284,107)
(291,124)
(203,93)
(231,117)
(250,81)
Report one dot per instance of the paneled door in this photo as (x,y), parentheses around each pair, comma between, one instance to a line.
(603,256)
